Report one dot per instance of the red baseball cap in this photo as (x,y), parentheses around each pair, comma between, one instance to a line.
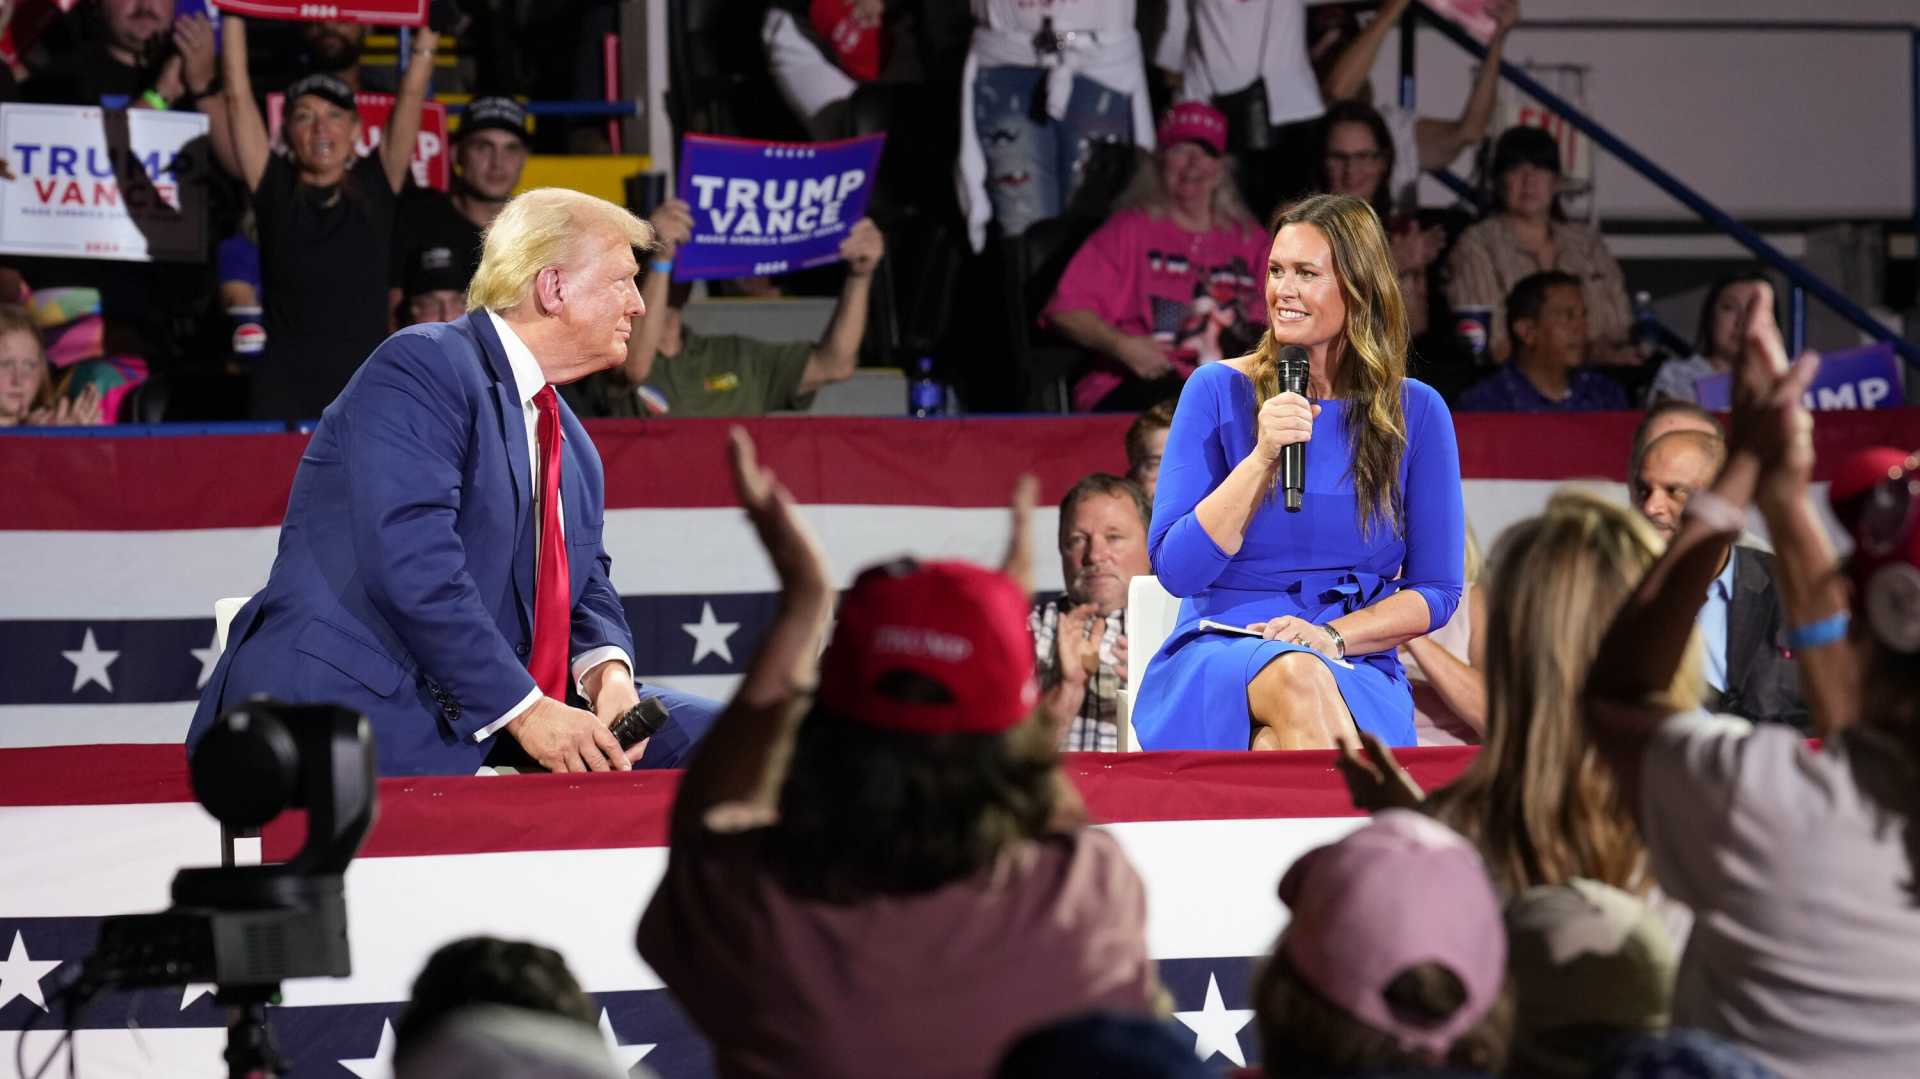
(1875,493)
(960,628)
(1194,121)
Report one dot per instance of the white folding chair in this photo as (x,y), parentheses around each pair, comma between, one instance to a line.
(1152,612)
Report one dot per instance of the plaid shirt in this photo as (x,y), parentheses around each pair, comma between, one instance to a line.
(1097,727)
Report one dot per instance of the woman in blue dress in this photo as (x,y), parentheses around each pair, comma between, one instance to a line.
(1372,559)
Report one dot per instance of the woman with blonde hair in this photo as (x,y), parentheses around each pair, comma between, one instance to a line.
(1290,622)
(1538,800)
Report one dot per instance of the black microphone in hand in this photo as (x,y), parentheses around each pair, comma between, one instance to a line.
(1293,458)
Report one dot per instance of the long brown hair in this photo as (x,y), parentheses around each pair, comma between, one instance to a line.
(1538,801)
(1370,355)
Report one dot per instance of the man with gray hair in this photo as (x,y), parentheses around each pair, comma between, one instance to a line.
(440,566)
(1749,670)
(1079,638)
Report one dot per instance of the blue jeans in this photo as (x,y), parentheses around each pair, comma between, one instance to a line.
(1034,162)
(688,718)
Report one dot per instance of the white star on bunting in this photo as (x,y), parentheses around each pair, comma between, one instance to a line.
(380,1064)
(207,656)
(1216,1027)
(710,635)
(194,991)
(624,1056)
(90,664)
(21,973)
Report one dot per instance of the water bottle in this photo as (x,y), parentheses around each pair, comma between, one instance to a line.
(926,394)
(1647,334)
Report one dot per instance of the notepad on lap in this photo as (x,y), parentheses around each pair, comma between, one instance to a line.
(1222,627)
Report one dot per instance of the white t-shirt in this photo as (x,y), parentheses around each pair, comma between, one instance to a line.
(1226,53)
(1806,938)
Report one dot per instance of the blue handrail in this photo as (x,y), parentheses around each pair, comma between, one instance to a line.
(1801,280)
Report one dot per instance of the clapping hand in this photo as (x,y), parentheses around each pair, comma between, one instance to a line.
(1769,420)
(82,410)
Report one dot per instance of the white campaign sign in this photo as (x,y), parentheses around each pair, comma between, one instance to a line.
(103,183)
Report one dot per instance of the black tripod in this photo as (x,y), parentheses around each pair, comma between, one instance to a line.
(251,1053)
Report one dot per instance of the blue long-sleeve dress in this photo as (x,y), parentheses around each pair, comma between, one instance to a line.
(1316,564)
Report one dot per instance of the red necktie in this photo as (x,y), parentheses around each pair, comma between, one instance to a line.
(552,611)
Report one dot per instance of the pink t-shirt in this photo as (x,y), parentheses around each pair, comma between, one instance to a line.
(1200,292)
(935,986)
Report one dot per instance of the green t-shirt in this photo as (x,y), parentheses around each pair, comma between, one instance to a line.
(732,376)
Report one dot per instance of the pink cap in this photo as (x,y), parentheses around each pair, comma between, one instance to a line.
(961,627)
(1403,890)
(1194,121)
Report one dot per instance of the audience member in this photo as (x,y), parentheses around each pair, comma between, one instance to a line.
(1749,673)
(28,394)
(142,57)
(1250,62)
(1590,965)
(1717,342)
(1664,417)
(324,218)
(438,235)
(1357,157)
(671,370)
(1374,557)
(1110,1046)
(1446,668)
(488,1041)
(1526,234)
(1036,95)
(1394,960)
(889,877)
(332,47)
(1536,800)
(1547,322)
(1799,864)
(1416,142)
(488,970)
(1146,441)
(1079,638)
(1170,281)
(432,287)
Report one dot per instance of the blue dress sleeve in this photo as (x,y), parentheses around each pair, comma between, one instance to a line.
(1436,512)
(1186,559)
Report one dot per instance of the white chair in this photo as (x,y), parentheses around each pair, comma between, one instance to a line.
(223,612)
(1152,612)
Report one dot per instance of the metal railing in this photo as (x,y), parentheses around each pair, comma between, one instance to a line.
(1801,281)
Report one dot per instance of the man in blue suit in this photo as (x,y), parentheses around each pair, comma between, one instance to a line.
(426,576)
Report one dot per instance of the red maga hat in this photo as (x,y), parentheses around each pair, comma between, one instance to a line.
(931,648)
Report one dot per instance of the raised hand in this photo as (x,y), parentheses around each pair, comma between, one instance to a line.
(1375,780)
(1769,420)
(672,223)
(797,554)
(1018,563)
(863,247)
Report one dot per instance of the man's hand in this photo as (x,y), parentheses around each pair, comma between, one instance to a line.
(672,223)
(1506,13)
(563,739)
(611,688)
(1076,647)
(863,248)
(193,40)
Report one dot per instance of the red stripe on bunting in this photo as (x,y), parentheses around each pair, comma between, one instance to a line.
(470,815)
(241,481)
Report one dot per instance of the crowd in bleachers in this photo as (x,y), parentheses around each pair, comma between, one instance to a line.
(1116,163)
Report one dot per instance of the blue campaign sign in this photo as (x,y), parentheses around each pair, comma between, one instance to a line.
(1854,378)
(770,207)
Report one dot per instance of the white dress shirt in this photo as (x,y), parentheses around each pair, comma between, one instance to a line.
(528,380)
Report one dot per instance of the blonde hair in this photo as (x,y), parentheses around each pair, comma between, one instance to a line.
(548,226)
(1370,353)
(1538,800)
(1147,193)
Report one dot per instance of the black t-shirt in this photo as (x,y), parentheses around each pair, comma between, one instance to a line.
(433,240)
(326,310)
(90,74)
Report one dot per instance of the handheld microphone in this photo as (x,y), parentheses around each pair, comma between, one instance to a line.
(1293,459)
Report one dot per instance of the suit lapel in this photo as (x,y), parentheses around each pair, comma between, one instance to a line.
(513,434)
(1746,617)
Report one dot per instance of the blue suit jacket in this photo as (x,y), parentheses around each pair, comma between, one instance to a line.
(403,586)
